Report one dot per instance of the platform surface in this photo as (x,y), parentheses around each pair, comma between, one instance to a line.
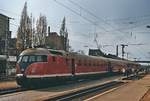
(132,91)
(8,84)
(46,93)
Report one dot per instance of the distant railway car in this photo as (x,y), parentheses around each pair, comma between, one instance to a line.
(48,66)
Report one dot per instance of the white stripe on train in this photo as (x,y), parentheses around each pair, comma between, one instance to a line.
(68,74)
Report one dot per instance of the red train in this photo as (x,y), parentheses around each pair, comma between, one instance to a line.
(48,66)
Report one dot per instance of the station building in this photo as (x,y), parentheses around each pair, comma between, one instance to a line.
(5,32)
(57,42)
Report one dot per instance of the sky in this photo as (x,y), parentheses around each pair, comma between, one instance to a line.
(112,22)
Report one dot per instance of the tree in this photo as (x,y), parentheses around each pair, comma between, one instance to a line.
(63,27)
(33,33)
(64,35)
(41,29)
(66,40)
(29,32)
(24,33)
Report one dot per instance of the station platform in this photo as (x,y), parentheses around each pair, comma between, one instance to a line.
(132,91)
(8,85)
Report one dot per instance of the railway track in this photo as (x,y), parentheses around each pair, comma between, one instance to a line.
(85,93)
(12,90)
(19,89)
(79,91)
(92,91)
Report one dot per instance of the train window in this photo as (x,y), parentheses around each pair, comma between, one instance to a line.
(94,63)
(32,58)
(54,58)
(79,62)
(97,63)
(25,59)
(85,62)
(89,63)
(44,58)
(41,58)
(67,61)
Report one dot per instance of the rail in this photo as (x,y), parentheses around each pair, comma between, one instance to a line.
(89,92)
(11,90)
(86,92)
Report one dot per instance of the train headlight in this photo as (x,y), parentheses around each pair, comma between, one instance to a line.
(19,75)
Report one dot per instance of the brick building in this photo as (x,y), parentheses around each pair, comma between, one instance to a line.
(11,42)
(54,41)
(4,32)
(12,47)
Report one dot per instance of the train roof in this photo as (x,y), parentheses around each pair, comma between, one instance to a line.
(110,59)
(42,51)
(35,51)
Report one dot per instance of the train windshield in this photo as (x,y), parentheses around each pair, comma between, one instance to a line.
(32,58)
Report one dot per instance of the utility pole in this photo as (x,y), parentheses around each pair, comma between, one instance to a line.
(117,50)
(127,55)
(135,59)
(123,52)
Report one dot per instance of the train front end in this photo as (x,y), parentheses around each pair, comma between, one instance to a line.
(29,64)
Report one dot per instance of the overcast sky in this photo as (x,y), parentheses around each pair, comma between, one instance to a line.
(115,22)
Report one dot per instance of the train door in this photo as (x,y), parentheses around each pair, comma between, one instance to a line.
(109,66)
(73,66)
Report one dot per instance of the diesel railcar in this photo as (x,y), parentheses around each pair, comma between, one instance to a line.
(39,65)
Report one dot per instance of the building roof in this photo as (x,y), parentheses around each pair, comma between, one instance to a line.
(53,34)
(5,16)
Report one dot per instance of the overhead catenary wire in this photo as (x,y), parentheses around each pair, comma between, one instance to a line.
(106,21)
(85,18)
(129,18)
(139,50)
(77,13)
(87,11)
(92,14)
(134,26)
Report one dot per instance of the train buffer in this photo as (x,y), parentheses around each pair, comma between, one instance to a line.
(133,91)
